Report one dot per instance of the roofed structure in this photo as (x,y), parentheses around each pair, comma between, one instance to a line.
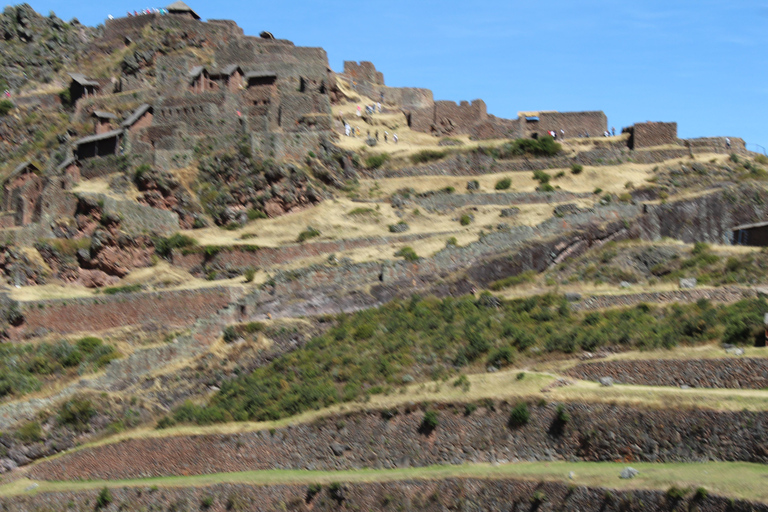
(180,8)
(136,115)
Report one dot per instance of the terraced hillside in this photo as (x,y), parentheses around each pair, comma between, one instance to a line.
(216,299)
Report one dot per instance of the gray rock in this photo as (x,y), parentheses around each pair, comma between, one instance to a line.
(473,185)
(338,449)
(628,473)
(625,284)
(688,283)
(606,381)
(510,212)
(573,297)
(736,351)
(400,227)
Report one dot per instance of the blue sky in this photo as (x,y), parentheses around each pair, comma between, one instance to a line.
(701,63)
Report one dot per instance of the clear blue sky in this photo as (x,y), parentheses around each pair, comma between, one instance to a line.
(698,62)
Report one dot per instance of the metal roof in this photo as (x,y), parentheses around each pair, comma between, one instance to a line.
(104,115)
(101,136)
(227,71)
(195,71)
(82,80)
(261,74)
(143,109)
(66,163)
(750,226)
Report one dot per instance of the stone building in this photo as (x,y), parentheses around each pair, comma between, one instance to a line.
(82,87)
(103,121)
(755,235)
(103,144)
(650,134)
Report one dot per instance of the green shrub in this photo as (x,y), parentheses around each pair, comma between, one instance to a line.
(561,415)
(103,499)
(408,254)
(502,356)
(308,233)
(130,288)
(254,214)
(520,415)
(5,107)
(503,184)
(538,497)
(524,277)
(465,220)
(734,158)
(541,176)
(429,422)
(577,168)
(249,274)
(700,494)
(676,493)
(76,413)
(427,155)
(545,187)
(761,159)
(30,432)
(165,422)
(376,161)
(206,502)
(543,146)
(463,383)
(164,246)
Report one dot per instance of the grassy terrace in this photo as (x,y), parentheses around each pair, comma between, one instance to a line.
(733,479)
(498,386)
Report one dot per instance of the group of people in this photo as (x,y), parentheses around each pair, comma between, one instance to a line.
(354,131)
(606,133)
(369,109)
(149,10)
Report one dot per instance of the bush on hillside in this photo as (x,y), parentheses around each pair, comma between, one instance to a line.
(5,107)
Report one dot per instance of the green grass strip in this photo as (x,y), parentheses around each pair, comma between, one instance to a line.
(734,479)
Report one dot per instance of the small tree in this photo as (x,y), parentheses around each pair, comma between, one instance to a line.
(520,415)
(103,499)
(5,107)
(429,422)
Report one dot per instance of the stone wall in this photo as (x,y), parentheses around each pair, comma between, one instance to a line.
(734,372)
(448,117)
(594,432)
(438,495)
(242,257)
(649,134)
(725,295)
(166,310)
(573,123)
(363,72)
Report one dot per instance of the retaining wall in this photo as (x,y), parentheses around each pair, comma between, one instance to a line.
(465,494)
(738,373)
(593,432)
(166,310)
(725,294)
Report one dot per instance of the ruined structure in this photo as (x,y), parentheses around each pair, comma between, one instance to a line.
(649,134)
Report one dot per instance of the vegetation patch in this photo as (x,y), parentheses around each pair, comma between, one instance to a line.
(427,339)
(25,366)
(428,155)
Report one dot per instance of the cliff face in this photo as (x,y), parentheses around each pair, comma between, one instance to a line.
(35,48)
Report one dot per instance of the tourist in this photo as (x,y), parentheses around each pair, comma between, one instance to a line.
(377,135)
(728,143)
(359,111)
(562,134)
(394,138)
(386,134)
(379,105)
(613,130)
(346,129)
